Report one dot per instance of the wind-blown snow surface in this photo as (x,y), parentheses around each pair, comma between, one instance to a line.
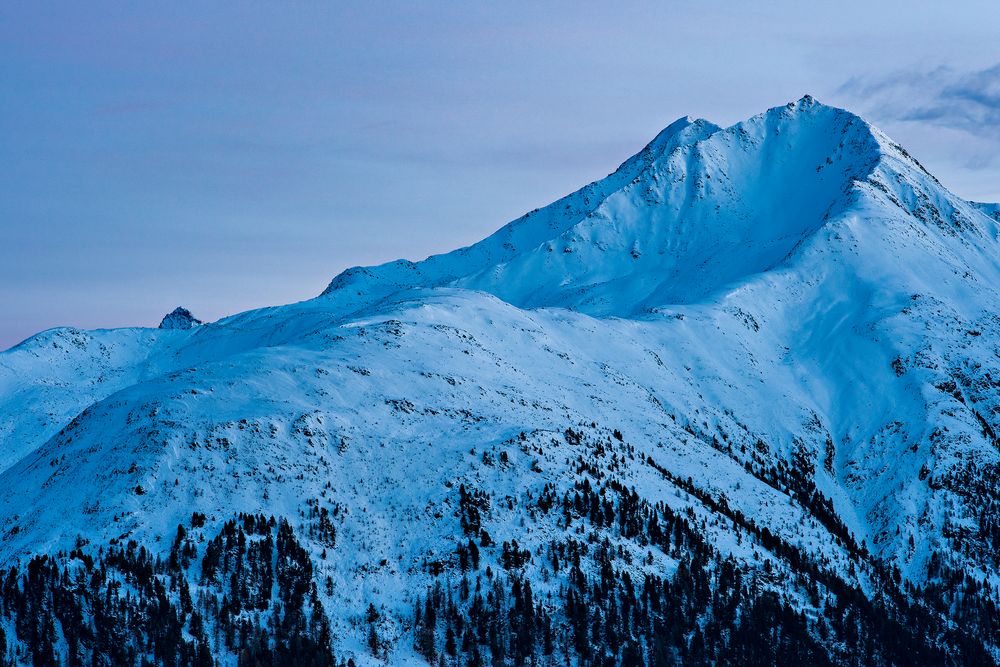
(795,288)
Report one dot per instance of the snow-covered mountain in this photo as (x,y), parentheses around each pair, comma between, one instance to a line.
(736,401)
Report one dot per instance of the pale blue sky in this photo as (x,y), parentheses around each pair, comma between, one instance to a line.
(224,156)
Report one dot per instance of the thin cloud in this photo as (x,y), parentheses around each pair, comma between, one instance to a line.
(943,96)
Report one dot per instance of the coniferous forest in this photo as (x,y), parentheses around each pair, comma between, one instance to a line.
(246,592)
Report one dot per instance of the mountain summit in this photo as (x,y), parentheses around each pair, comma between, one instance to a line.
(179,318)
(698,210)
(735,402)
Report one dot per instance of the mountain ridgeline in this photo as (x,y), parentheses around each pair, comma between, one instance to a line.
(735,403)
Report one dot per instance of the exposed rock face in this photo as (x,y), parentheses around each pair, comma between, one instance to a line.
(179,318)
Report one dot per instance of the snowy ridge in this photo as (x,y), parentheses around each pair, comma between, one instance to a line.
(538,227)
(784,331)
(686,203)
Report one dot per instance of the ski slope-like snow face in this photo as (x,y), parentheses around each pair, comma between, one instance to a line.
(792,293)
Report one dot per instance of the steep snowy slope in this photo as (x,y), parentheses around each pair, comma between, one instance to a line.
(51,377)
(783,332)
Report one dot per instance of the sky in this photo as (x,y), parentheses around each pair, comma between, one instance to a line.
(231,155)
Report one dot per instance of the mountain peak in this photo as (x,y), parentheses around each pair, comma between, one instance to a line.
(697,212)
(179,318)
(698,208)
(808,100)
(683,131)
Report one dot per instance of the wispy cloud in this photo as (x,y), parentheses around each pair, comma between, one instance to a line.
(961,100)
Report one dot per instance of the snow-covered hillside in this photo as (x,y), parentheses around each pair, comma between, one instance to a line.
(779,338)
